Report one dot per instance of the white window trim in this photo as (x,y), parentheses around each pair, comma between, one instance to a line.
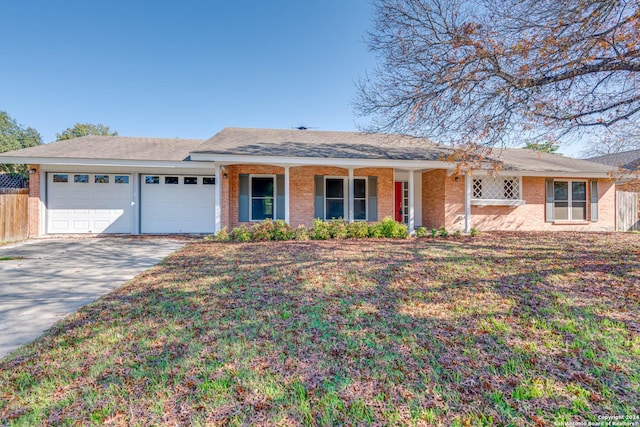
(570,200)
(499,202)
(345,197)
(346,205)
(365,198)
(275,195)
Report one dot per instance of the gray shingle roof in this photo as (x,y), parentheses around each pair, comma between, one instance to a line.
(293,143)
(627,159)
(357,145)
(521,159)
(320,144)
(113,148)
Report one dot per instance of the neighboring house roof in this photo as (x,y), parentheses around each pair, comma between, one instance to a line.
(12,181)
(112,148)
(626,159)
(277,145)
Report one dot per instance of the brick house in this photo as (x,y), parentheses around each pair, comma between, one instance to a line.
(99,184)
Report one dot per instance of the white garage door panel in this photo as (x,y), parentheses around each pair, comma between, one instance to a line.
(88,207)
(176,208)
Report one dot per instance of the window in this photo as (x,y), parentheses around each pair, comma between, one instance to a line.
(190,180)
(170,179)
(101,179)
(570,200)
(477,188)
(334,198)
(121,179)
(152,179)
(58,177)
(208,180)
(81,179)
(360,199)
(262,198)
(496,190)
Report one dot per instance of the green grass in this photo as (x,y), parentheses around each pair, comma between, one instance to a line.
(499,329)
(10,258)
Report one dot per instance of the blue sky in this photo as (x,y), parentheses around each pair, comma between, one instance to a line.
(182,69)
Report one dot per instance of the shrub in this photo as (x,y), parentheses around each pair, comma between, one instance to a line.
(338,229)
(320,230)
(222,235)
(434,232)
(422,232)
(474,232)
(241,234)
(282,231)
(357,230)
(389,228)
(443,232)
(301,233)
(263,231)
(456,233)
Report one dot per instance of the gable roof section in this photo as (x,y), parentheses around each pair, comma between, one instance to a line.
(626,159)
(367,146)
(320,144)
(522,159)
(111,148)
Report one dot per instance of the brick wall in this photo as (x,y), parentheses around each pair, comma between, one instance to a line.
(230,196)
(301,193)
(442,200)
(443,205)
(531,216)
(433,198)
(34,201)
(454,203)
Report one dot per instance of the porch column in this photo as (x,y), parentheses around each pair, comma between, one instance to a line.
(467,202)
(286,195)
(217,224)
(351,191)
(412,219)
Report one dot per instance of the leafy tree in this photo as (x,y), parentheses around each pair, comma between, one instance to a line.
(544,147)
(84,129)
(487,72)
(624,138)
(13,137)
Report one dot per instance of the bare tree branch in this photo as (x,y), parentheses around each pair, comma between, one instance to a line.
(497,71)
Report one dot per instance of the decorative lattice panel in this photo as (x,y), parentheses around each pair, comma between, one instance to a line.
(496,188)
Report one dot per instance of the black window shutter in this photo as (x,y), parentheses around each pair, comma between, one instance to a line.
(594,200)
(318,200)
(549,204)
(279,196)
(373,199)
(243,198)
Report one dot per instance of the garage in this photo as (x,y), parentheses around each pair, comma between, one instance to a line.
(177,203)
(89,203)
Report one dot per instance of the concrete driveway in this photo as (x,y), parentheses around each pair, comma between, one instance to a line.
(52,278)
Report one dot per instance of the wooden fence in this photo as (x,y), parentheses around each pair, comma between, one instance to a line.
(14,214)
(627,218)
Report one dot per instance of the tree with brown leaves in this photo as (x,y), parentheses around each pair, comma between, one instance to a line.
(498,72)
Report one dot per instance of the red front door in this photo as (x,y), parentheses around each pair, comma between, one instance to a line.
(398,202)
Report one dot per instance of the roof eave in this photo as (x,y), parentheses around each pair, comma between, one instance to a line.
(103,162)
(320,161)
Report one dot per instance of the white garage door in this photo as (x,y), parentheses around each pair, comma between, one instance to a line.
(89,203)
(177,204)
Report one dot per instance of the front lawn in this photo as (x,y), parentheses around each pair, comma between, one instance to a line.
(522,329)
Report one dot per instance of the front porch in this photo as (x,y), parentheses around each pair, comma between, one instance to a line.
(298,194)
